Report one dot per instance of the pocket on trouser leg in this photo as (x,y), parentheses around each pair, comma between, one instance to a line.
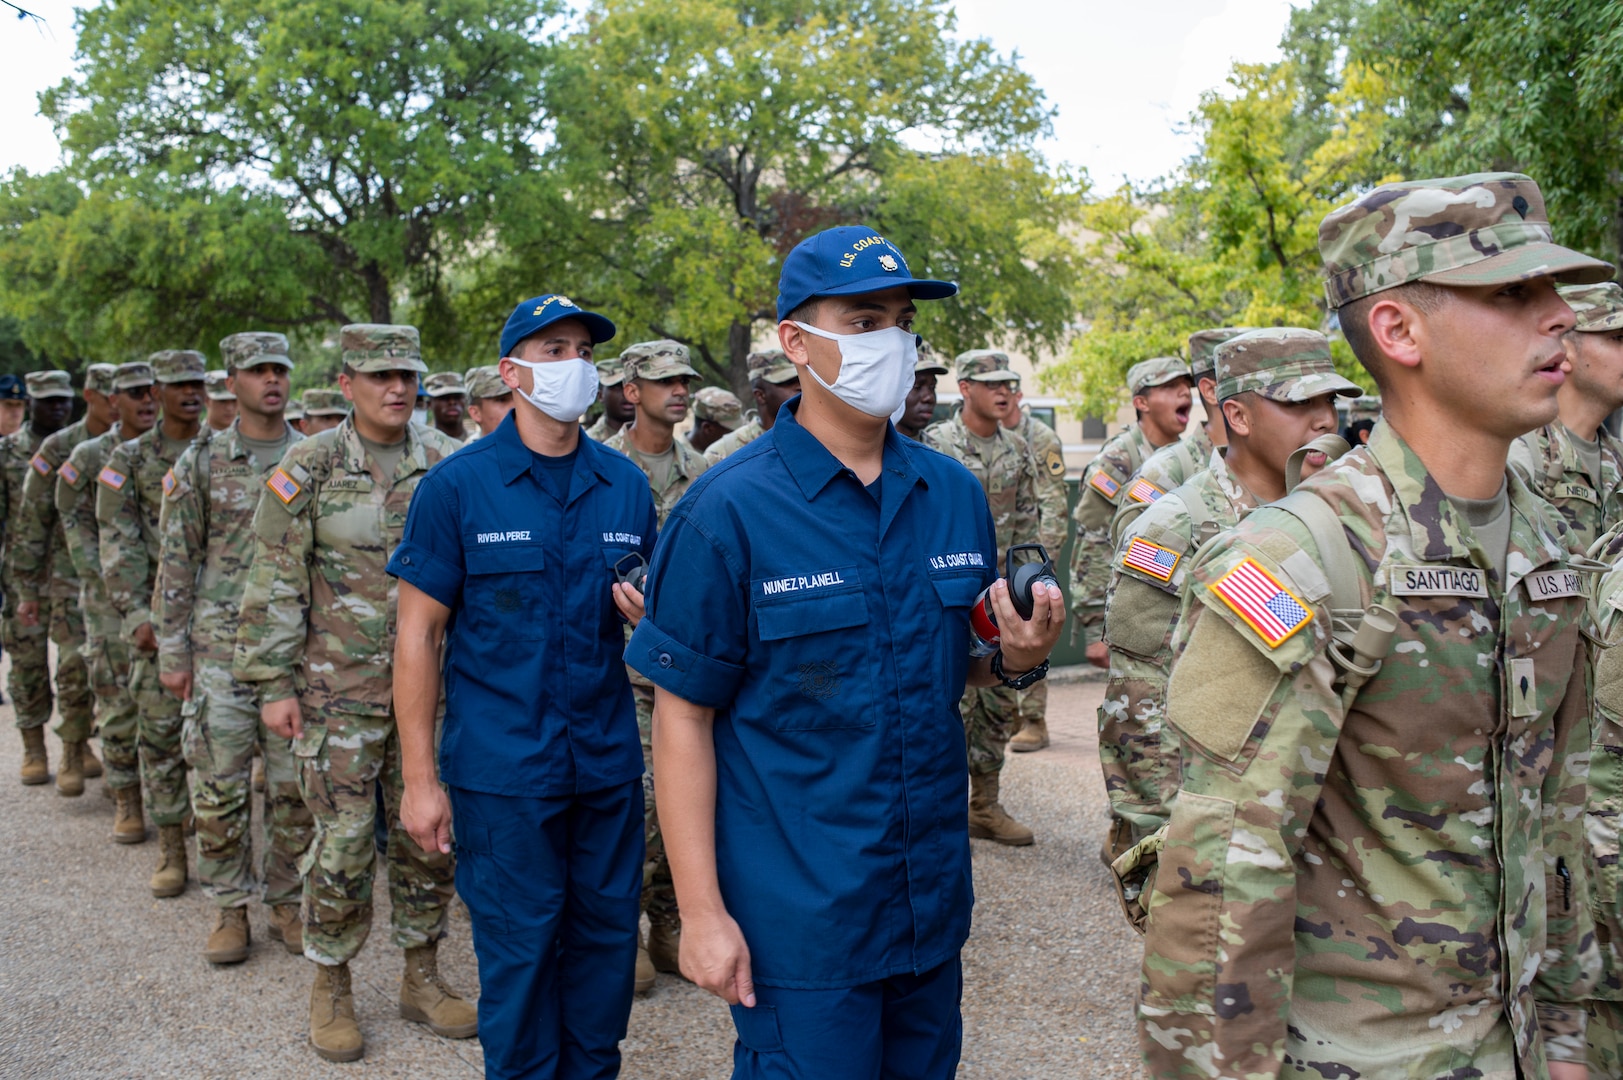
(758,1028)
(194,736)
(312,765)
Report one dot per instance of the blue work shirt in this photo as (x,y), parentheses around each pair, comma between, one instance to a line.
(830,632)
(537,703)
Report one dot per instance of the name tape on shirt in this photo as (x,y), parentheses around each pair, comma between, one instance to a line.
(1143,491)
(1256,596)
(40,465)
(286,488)
(1438,581)
(1550,584)
(632,539)
(957,560)
(1575,491)
(1151,559)
(112,478)
(502,537)
(69,473)
(169,482)
(799,584)
(1104,484)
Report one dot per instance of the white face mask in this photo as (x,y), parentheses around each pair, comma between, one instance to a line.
(876,369)
(563,389)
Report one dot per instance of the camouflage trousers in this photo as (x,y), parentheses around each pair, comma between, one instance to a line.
(163,766)
(342,759)
(1031,705)
(116,714)
(989,714)
(220,728)
(658,894)
(30,678)
(1137,753)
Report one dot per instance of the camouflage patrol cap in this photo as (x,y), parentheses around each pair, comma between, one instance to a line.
(1282,364)
(656,360)
(444,384)
(323,402)
(984,365)
(485,382)
(294,411)
(252,347)
(1157,371)
(1203,348)
(134,374)
(369,347)
(99,377)
(178,366)
(718,406)
(1367,407)
(44,384)
(773,366)
(1481,229)
(214,385)
(610,372)
(927,364)
(1599,307)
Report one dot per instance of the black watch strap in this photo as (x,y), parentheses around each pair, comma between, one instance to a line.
(1020,682)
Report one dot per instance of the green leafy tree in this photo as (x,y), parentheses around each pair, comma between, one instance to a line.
(697,141)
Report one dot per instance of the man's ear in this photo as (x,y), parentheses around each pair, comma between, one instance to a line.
(1239,421)
(1141,403)
(629,391)
(1398,331)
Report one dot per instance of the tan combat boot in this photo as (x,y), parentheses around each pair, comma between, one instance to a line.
(92,767)
(284,921)
(129,826)
(643,980)
(1034,736)
(665,942)
(70,774)
(334,1034)
(169,879)
(36,769)
(987,818)
(425,998)
(228,941)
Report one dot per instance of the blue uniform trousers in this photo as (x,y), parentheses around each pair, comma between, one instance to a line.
(907,1027)
(552,886)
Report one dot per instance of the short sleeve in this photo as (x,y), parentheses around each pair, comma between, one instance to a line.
(430,551)
(695,636)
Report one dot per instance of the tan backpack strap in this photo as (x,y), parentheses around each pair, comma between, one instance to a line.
(1330,445)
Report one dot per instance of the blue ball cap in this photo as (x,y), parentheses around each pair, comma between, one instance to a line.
(848,261)
(11,388)
(540,312)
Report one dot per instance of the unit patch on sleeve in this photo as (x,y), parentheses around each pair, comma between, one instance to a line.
(1106,486)
(112,478)
(1152,559)
(1257,597)
(69,473)
(1143,491)
(40,465)
(286,488)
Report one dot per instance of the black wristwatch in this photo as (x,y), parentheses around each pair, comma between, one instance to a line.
(1019,682)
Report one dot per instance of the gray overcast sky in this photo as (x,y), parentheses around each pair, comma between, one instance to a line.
(1125,76)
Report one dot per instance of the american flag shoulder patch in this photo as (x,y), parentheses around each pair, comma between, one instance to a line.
(169,482)
(1105,485)
(1256,596)
(69,473)
(112,478)
(40,465)
(1143,491)
(286,488)
(1151,559)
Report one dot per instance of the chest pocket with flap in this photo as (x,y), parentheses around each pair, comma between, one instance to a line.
(820,656)
(504,594)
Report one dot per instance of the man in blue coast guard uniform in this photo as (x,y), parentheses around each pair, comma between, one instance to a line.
(508,565)
(808,635)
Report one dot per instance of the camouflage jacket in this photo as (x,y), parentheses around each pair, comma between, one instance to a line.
(207,535)
(1605,815)
(1385,881)
(129,497)
(1548,462)
(599,431)
(734,441)
(76,507)
(1007,474)
(318,614)
(38,549)
(688,467)
(1048,467)
(1101,491)
(1141,612)
(16,451)
(1162,471)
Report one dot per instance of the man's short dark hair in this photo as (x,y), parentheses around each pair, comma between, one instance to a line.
(1354,320)
(807,311)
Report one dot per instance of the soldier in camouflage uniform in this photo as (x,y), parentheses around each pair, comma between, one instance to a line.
(773,381)
(25,639)
(1001,460)
(129,497)
(447,403)
(918,411)
(222,406)
(617,411)
(717,413)
(316,636)
(322,410)
(489,399)
(1182,458)
(1278,387)
(1604,820)
(1375,862)
(207,539)
(117,716)
(1575,464)
(656,378)
(1160,391)
(1053,525)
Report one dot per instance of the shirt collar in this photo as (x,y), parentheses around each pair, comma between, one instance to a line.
(812,466)
(514,459)
(414,459)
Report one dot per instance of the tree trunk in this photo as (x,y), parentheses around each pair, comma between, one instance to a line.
(380,306)
(738,350)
